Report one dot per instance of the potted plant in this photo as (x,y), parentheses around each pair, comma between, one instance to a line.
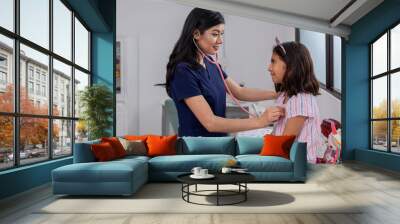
(96,102)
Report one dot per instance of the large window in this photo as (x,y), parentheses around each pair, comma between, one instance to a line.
(326,53)
(385,95)
(44,64)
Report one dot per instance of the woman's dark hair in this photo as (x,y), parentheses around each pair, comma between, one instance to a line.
(184,49)
(299,76)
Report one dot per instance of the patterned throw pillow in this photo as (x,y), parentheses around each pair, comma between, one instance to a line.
(134,147)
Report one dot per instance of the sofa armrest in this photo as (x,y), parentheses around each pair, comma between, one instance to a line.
(83,152)
(298,155)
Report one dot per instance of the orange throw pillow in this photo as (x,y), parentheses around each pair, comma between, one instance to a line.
(161,145)
(103,152)
(136,137)
(116,145)
(277,145)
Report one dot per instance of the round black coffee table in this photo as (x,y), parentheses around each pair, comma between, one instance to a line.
(238,179)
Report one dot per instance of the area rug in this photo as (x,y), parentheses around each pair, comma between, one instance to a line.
(167,198)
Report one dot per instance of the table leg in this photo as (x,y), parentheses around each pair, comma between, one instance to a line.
(245,193)
(188,189)
(182,189)
(217,194)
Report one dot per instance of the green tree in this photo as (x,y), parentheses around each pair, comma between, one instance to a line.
(97,103)
(380,127)
(395,124)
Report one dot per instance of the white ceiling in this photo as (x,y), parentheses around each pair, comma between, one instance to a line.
(315,15)
(319,9)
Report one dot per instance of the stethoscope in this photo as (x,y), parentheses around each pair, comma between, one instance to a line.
(216,62)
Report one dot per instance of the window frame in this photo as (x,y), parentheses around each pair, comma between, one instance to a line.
(3,74)
(3,70)
(329,49)
(16,114)
(388,74)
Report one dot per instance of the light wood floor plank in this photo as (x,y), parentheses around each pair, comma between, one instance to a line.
(377,189)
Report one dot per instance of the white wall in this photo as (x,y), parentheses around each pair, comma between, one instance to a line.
(329,106)
(148,30)
(248,49)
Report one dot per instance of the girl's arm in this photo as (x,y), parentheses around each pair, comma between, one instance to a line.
(201,109)
(249,94)
(294,125)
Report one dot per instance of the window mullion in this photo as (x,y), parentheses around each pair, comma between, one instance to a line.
(389,101)
(73,82)
(329,61)
(50,81)
(16,84)
(371,97)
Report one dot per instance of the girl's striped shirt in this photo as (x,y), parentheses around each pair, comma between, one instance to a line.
(302,104)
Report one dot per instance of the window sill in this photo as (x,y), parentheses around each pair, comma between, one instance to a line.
(333,92)
(30,166)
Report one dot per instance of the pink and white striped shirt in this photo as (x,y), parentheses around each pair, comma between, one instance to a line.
(302,104)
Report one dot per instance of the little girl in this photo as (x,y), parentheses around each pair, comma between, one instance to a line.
(292,72)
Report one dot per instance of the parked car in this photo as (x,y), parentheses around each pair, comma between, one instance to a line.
(10,156)
(22,155)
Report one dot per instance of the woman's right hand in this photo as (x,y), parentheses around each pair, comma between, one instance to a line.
(270,115)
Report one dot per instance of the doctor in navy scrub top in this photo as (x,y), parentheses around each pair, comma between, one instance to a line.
(197,88)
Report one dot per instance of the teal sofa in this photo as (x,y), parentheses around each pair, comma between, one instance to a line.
(125,176)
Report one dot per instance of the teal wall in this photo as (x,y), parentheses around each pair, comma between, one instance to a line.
(100,17)
(103,53)
(356,94)
(24,178)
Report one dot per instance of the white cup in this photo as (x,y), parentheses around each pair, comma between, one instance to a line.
(203,172)
(226,170)
(196,170)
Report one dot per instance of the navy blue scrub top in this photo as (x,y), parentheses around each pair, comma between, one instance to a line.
(188,82)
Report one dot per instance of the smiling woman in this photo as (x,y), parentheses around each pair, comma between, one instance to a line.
(198,85)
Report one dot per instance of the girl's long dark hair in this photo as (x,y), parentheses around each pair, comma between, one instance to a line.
(184,49)
(299,76)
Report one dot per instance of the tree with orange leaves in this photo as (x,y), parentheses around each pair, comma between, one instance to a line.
(33,130)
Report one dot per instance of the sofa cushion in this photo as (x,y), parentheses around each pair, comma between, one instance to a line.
(83,152)
(136,137)
(134,147)
(132,158)
(208,145)
(116,145)
(277,145)
(103,152)
(249,145)
(161,145)
(111,171)
(185,163)
(257,163)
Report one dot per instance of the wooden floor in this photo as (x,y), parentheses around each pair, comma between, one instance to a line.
(378,188)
